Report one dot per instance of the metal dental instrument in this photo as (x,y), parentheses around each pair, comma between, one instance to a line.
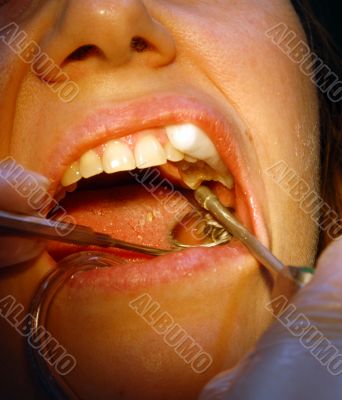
(30,226)
(54,384)
(206,198)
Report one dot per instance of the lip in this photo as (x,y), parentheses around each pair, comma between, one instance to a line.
(116,120)
(120,119)
(162,270)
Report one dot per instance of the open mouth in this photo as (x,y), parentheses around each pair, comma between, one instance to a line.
(139,187)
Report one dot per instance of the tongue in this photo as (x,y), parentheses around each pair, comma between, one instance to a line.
(129,213)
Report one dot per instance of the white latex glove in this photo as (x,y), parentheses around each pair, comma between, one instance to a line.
(281,367)
(15,250)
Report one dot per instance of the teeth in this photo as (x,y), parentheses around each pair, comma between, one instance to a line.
(72,174)
(117,157)
(194,174)
(196,155)
(190,159)
(192,141)
(173,154)
(149,152)
(90,164)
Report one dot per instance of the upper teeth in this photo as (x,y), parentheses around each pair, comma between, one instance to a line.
(117,156)
(192,141)
(90,164)
(183,141)
(148,152)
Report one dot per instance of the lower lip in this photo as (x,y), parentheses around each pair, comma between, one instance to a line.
(165,269)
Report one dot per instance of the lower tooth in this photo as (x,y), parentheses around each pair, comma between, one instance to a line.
(227,181)
(193,182)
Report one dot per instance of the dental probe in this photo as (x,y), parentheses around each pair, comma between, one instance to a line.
(206,198)
(31,226)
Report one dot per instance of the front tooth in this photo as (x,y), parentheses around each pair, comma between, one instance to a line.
(117,157)
(192,141)
(173,154)
(90,164)
(149,152)
(72,174)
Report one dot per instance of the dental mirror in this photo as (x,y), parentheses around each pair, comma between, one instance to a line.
(198,229)
(40,346)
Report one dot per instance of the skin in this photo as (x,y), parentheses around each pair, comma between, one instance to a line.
(220,48)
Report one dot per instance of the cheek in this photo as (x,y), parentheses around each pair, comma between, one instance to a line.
(276,100)
(279,105)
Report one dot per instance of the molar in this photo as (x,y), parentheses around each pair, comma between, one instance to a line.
(194,174)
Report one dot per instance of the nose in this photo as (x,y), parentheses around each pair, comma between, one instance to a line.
(115,32)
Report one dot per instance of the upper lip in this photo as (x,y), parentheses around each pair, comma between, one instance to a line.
(120,119)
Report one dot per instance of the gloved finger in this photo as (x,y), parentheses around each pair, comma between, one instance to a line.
(220,385)
(21,191)
(15,250)
(322,299)
(300,356)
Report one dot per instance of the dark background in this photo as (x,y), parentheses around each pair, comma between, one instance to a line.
(329,14)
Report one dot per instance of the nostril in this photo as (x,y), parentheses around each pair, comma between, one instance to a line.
(84,52)
(139,44)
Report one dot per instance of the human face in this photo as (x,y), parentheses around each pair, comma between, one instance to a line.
(208,63)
